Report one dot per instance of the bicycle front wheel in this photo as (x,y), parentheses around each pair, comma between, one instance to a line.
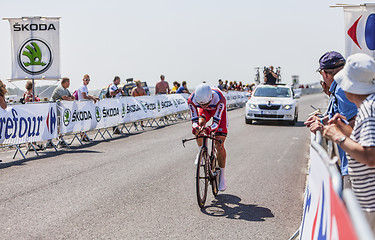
(215,180)
(202,178)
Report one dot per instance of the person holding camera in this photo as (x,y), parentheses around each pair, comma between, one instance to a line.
(269,76)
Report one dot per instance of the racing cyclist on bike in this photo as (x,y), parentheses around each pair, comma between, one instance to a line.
(206,103)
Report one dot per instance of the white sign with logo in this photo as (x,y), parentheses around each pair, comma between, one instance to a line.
(28,123)
(359,29)
(35,48)
(107,113)
(76,116)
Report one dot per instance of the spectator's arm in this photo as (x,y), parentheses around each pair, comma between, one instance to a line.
(365,155)
(66,97)
(3,104)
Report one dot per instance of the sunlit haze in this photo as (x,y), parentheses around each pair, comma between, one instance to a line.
(191,41)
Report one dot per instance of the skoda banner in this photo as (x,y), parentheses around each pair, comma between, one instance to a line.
(28,123)
(35,47)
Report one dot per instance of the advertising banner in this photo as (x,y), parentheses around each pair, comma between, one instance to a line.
(28,123)
(35,47)
(324,214)
(85,115)
(76,116)
(359,29)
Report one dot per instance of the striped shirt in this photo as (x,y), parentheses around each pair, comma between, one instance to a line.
(361,175)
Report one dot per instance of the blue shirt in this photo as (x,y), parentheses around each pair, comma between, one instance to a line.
(339,103)
(180,90)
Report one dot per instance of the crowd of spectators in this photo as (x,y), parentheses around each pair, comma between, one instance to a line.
(350,122)
(62,92)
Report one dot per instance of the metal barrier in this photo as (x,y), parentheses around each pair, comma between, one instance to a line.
(328,150)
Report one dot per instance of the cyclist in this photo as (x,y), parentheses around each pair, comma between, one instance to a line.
(206,103)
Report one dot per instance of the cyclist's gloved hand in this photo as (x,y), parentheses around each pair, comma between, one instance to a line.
(195,130)
(207,130)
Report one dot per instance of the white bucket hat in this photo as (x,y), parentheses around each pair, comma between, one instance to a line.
(358,75)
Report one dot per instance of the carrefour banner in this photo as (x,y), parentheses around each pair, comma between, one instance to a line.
(359,29)
(35,47)
(28,123)
(324,214)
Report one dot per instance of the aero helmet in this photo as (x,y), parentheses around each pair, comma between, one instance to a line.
(203,93)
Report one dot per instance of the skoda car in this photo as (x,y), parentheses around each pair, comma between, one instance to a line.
(272,102)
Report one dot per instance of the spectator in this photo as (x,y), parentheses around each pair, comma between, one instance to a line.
(28,95)
(183,88)
(231,86)
(138,90)
(269,76)
(226,85)
(239,86)
(221,86)
(330,64)
(114,91)
(357,79)
(62,92)
(162,87)
(176,85)
(83,91)
(3,91)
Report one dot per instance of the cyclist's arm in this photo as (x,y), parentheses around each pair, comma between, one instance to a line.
(217,117)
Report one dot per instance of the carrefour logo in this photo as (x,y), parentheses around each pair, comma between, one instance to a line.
(51,121)
(67,117)
(35,56)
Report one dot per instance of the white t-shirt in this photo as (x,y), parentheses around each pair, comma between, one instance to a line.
(82,89)
(114,88)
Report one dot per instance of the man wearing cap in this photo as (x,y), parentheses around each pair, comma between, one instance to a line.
(330,64)
(357,79)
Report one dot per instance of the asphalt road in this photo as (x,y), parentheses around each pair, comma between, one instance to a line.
(142,186)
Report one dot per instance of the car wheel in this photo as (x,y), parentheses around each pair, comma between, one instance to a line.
(294,121)
(248,121)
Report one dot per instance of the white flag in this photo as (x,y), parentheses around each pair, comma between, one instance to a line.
(35,48)
(359,29)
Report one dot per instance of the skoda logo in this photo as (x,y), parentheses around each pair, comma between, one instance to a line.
(269,103)
(67,117)
(35,57)
(98,116)
(123,110)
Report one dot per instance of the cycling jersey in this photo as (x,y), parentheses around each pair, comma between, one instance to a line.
(216,110)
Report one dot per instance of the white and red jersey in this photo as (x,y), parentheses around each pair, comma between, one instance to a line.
(217,110)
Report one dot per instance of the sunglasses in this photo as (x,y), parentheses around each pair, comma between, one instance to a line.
(87,80)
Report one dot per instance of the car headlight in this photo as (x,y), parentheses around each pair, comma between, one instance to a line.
(287,107)
(252,105)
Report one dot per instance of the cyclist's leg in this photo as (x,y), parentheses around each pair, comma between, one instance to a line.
(221,153)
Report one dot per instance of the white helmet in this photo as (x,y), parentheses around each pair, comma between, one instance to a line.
(203,93)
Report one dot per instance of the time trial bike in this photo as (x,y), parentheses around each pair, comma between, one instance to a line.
(208,170)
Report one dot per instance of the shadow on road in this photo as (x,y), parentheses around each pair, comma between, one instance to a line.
(230,206)
(276,123)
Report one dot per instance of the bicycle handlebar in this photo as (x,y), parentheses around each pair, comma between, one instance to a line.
(200,136)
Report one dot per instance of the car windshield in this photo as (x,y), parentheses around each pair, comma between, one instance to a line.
(281,92)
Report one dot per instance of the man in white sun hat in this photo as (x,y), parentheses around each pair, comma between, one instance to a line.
(357,79)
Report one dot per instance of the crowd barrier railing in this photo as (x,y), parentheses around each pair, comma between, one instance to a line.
(329,212)
(45,121)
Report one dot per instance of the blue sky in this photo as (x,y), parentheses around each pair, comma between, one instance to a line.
(193,41)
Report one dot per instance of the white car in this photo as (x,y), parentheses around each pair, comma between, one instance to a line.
(272,102)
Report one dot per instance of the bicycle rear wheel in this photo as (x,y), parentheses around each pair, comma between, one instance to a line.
(215,180)
(202,178)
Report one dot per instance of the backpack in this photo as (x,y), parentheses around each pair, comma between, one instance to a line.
(75,95)
(107,94)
